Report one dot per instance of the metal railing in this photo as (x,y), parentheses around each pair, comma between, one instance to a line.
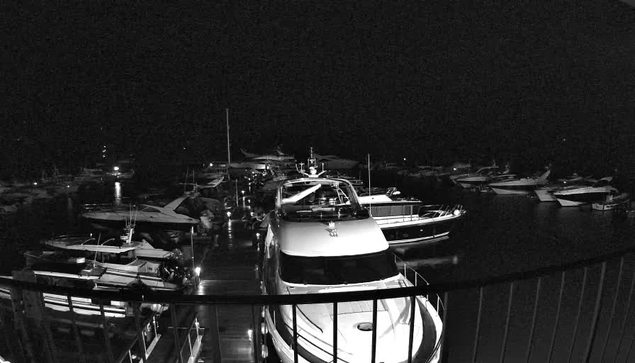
(575,312)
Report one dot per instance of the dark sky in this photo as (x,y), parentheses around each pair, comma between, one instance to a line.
(431,80)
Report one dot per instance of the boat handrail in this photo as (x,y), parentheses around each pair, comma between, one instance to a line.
(418,279)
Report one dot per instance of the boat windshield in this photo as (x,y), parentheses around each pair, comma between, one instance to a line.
(319,199)
(337,270)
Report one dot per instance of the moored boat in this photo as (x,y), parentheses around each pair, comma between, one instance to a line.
(585,192)
(321,240)
(409,221)
(613,202)
(519,186)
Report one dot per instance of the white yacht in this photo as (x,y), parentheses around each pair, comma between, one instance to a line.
(545,192)
(321,240)
(585,192)
(332,162)
(519,185)
(482,176)
(406,221)
(166,217)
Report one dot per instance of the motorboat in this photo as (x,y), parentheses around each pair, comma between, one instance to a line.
(321,240)
(263,161)
(101,267)
(613,202)
(585,192)
(126,244)
(520,186)
(114,262)
(332,162)
(171,216)
(482,176)
(406,221)
(545,192)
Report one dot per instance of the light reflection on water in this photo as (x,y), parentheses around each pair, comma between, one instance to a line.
(117,194)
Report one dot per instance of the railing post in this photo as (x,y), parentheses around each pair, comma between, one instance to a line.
(411,332)
(374,338)
(626,315)
(335,332)
(596,313)
(105,330)
(446,296)
(509,312)
(294,314)
(478,323)
(577,318)
(78,340)
(141,340)
(256,333)
(555,324)
(175,333)
(617,290)
(533,320)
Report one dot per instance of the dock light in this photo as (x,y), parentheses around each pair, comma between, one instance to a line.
(197,271)
(34,183)
(250,334)
(116,168)
(258,235)
(229,214)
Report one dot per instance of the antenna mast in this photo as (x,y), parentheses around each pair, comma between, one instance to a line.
(229,157)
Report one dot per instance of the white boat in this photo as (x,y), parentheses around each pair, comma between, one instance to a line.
(165,217)
(519,186)
(93,245)
(545,192)
(332,162)
(482,176)
(613,202)
(407,221)
(321,240)
(585,192)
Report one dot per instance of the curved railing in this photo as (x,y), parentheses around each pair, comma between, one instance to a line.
(603,307)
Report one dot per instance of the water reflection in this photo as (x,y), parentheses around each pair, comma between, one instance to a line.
(117,193)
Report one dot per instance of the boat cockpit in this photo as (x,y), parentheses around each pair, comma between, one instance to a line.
(311,199)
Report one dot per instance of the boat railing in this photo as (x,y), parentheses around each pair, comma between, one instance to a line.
(100,207)
(417,279)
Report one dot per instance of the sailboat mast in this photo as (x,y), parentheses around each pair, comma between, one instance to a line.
(229,157)
(368,165)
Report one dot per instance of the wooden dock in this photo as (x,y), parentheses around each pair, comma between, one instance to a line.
(228,269)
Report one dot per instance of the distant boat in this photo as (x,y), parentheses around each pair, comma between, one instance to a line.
(585,193)
(332,162)
(613,202)
(146,215)
(522,186)
(545,192)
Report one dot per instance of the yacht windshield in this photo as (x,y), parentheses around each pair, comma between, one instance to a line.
(337,270)
(319,199)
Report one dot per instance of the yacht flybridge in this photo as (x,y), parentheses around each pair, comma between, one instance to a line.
(321,240)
